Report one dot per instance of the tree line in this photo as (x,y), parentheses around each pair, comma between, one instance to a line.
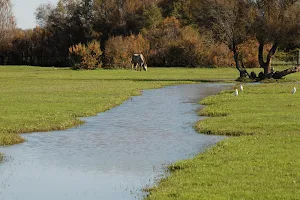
(182,33)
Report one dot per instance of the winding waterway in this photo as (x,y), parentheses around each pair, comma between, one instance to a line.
(114,155)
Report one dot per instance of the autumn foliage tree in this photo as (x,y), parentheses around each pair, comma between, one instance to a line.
(173,45)
(86,56)
(119,49)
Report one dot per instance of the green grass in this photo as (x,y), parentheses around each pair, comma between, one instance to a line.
(261,109)
(262,163)
(44,99)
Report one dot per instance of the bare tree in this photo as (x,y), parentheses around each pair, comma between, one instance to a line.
(7,23)
(42,14)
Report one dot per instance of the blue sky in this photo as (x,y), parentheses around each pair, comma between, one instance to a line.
(24,11)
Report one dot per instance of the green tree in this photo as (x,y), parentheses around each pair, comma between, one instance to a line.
(276,23)
(151,16)
(228,21)
(69,23)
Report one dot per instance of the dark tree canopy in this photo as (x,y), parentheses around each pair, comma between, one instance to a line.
(277,22)
(228,20)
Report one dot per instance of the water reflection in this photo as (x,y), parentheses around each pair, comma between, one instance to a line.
(112,156)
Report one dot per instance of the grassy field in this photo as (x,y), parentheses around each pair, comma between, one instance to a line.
(44,99)
(262,163)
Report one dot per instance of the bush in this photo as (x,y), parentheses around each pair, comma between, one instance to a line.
(119,50)
(249,54)
(287,55)
(86,56)
(164,39)
(218,55)
(173,45)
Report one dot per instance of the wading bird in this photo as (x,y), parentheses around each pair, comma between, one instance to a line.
(294,90)
(236,92)
(241,88)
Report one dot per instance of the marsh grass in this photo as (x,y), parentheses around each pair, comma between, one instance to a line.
(262,163)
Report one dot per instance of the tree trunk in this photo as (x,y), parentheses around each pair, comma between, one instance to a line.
(298,60)
(266,65)
(278,75)
(242,70)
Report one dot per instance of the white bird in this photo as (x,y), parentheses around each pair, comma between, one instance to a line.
(241,88)
(294,90)
(236,92)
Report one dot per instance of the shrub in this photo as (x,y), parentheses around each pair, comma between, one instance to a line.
(189,50)
(249,53)
(287,55)
(173,45)
(86,56)
(218,55)
(119,50)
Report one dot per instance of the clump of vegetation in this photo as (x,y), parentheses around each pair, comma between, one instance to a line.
(86,56)
(248,53)
(183,46)
(10,139)
(287,56)
(119,50)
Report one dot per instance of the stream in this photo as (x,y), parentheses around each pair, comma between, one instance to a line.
(115,154)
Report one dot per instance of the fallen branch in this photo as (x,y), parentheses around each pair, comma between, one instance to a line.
(280,74)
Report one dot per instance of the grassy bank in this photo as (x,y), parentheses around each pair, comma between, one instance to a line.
(262,163)
(44,99)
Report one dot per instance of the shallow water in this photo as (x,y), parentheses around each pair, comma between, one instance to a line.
(114,155)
